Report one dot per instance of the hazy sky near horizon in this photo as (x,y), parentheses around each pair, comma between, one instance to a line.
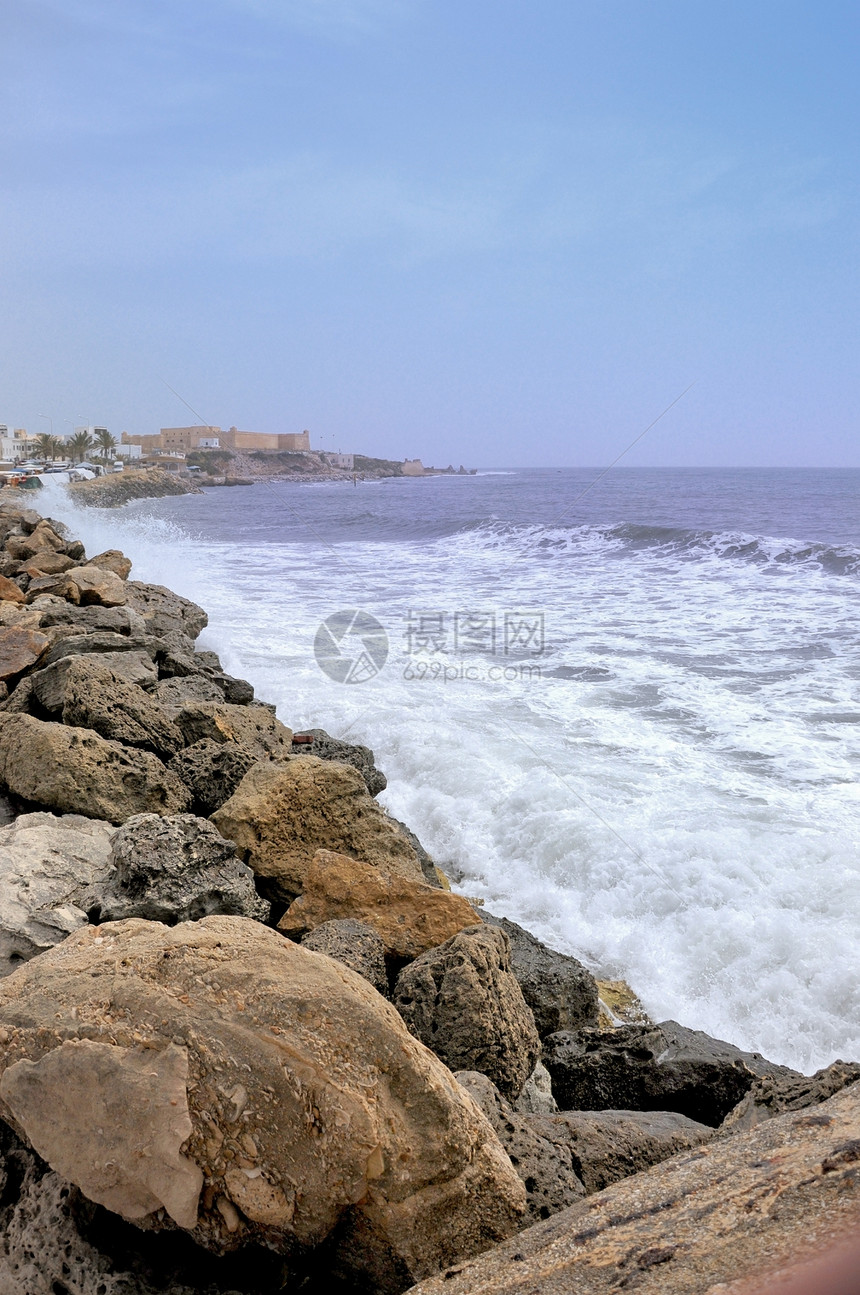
(490,233)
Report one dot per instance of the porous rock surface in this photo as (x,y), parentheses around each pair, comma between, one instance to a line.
(696,1223)
(211,771)
(172,869)
(607,1146)
(536,1097)
(219,1076)
(48,869)
(252,729)
(774,1095)
(326,747)
(98,697)
(283,811)
(652,1067)
(163,610)
(48,686)
(74,771)
(462,1000)
(354,944)
(409,916)
(561,992)
(19,649)
(546,1167)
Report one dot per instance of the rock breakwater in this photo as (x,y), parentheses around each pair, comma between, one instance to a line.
(250,1041)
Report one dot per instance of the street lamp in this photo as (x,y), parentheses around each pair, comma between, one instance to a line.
(50,420)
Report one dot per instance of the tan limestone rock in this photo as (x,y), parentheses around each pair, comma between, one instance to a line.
(697,1223)
(619,1005)
(74,771)
(46,563)
(113,560)
(409,916)
(10,592)
(219,1053)
(282,812)
(97,584)
(19,648)
(252,728)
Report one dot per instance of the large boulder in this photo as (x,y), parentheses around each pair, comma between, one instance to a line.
(561,992)
(163,610)
(326,747)
(211,771)
(98,641)
(19,649)
(409,916)
(49,685)
(462,1000)
(113,560)
(173,869)
(546,1167)
(707,1220)
(98,697)
(607,1146)
(91,618)
(774,1095)
(9,591)
(49,868)
(176,693)
(283,811)
(664,1067)
(219,1078)
(252,729)
(74,771)
(96,584)
(354,944)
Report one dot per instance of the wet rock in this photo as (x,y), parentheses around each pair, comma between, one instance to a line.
(48,869)
(173,869)
(462,1001)
(164,610)
(561,992)
(211,771)
(619,1005)
(774,1095)
(409,916)
(607,1146)
(536,1097)
(545,1167)
(283,811)
(356,945)
(98,697)
(276,1077)
(253,729)
(652,1067)
(74,771)
(706,1220)
(19,649)
(325,747)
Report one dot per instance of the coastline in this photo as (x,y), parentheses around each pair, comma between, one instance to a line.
(133,680)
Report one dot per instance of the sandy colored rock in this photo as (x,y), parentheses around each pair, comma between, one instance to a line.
(409,916)
(283,812)
(74,771)
(619,1005)
(772,1096)
(547,1168)
(46,563)
(99,698)
(97,585)
(536,1097)
(19,649)
(309,1106)
(10,592)
(48,869)
(98,641)
(113,560)
(254,729)
(91,619)
(175,694)
(695,1223)
(49,685)
(163,610)
(463,1001)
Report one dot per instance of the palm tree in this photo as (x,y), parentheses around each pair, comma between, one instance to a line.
(106,443)
(79,446)
(46,446)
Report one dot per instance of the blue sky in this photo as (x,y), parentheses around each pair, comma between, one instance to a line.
(491,233)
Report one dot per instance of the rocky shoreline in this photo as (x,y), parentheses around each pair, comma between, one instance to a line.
(251,1041)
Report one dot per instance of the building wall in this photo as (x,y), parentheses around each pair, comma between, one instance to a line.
(186,438)
(298,441)
(146,443)
(346,461)
(126,451)
(413,468)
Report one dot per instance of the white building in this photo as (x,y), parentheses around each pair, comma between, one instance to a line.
(15,443)
(127,451)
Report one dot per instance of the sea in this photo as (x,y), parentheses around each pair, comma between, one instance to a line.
(622,709)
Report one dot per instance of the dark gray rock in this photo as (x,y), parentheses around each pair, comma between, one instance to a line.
(173,869)
(211,771)
(174,654)
(164,610)
(461,1000)
(354,944)
(561,992)
(431,873)
(360,757)
(652,1068)
(607,1146)
(48,687)
(98,697)
(545,1167)
(236,692)
(89,644)
(774,1095)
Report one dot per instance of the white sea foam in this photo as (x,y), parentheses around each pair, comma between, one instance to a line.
(674,799)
